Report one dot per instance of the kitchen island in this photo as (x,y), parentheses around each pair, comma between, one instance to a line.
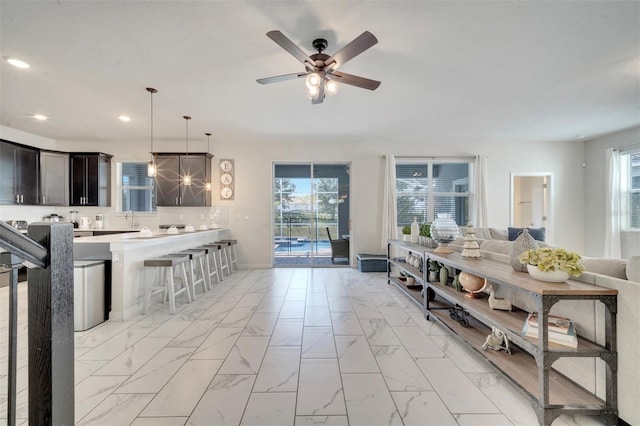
(127,252)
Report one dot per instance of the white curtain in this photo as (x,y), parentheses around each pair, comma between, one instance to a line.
(479,215)
(389,214)
(612,246)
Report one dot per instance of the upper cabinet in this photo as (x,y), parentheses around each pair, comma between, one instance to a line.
(18,174)
(90,180)
(54,178)
(170,188)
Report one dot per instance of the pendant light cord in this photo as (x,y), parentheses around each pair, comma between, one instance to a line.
(187,118)
(151,90)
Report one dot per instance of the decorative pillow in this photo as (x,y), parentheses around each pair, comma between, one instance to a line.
(521,244)
(499,234)
(633,269)
(482,233)
(539,234)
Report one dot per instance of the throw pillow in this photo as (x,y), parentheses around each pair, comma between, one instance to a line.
(499,234)
(521,244)
(539,234)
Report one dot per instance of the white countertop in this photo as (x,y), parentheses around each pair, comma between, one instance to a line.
(136,238)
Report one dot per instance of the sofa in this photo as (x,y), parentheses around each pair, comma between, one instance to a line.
(588,317)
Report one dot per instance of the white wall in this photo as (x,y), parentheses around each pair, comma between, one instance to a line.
(595,185)
(250,214)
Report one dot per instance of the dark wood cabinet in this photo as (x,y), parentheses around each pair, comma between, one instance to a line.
(170,190)
(54,178)
(19,167)
(90,179)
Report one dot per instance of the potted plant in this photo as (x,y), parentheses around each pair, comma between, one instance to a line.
(406,233)
(425,232)
(434,270)
(551,264)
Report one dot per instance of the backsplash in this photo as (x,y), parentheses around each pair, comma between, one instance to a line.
(196,216)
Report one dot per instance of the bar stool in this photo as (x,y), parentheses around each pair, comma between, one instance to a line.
(168,266)
(211,271)
(217,248)
(196,255)
(233,255)
(224,257)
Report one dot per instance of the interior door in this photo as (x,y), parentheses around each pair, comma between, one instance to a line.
(530,199)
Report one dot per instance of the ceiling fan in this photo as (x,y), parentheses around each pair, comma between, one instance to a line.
(321,69)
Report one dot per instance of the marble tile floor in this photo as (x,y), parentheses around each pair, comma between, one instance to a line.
(281,347)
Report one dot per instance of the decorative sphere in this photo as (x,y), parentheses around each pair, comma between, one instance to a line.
(471,283)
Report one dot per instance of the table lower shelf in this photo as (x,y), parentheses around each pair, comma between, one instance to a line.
(519,367)
(414,293)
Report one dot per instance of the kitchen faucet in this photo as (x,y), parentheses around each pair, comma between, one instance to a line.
(134,224)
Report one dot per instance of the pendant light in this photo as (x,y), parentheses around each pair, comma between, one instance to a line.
(208,185)
(186,179)
(152,170)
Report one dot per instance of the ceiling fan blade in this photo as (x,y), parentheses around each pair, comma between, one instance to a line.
(351,50)
(284,77)
(354,80)
(284,42)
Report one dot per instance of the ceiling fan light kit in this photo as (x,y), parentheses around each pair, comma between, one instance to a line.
(321,76)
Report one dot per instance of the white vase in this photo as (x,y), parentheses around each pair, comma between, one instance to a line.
(548,276)
(415,231)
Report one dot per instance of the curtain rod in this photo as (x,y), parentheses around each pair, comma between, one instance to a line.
(419,157)
(628,149)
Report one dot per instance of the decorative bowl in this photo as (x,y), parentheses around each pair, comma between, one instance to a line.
(557,276)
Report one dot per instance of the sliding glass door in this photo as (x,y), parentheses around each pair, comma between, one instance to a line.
(311,214)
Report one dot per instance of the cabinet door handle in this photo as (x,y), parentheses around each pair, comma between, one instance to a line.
(44,200)
(17,198)
(176,201)
(21,198)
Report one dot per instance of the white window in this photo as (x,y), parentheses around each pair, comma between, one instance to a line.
(427,187)
(630,189)
(136,189)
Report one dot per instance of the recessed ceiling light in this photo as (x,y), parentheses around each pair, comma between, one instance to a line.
(124,118)
(40,117)
(18,63)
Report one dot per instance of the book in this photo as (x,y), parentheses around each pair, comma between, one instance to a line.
(555,323)
(569,339)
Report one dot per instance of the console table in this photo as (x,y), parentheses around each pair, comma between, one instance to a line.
(529,366)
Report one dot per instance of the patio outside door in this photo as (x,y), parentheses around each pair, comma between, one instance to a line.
(310,199)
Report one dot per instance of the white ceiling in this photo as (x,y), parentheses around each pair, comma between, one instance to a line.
(450,71)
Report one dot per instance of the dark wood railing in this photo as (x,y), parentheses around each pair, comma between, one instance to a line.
(48,254)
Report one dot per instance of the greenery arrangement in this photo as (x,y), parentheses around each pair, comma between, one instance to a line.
(425,230)
(552,259)
(406,230)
